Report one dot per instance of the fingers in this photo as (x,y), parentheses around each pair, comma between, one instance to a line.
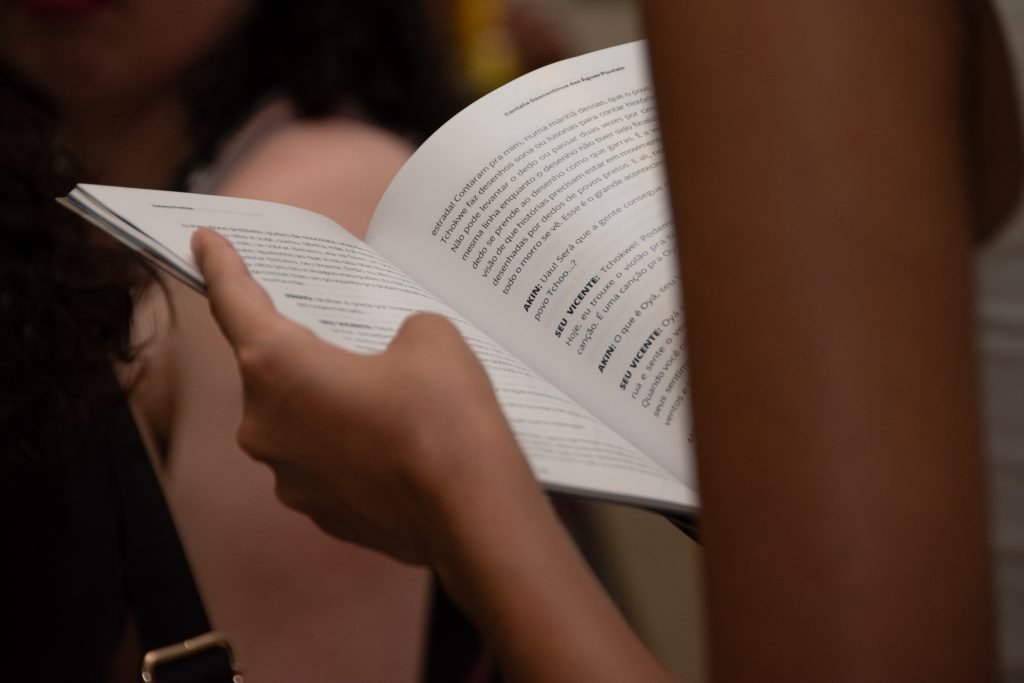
(436,336)
(238,303)
(426,328)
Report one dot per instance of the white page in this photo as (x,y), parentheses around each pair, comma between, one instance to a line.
(123,232)
(322,277)
(541,213)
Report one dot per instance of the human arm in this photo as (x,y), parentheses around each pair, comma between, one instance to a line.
(297,605)
(408,452)
(818,166)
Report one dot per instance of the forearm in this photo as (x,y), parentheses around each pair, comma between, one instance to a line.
(408,452)
(817,171)
(504,556)
(281,589)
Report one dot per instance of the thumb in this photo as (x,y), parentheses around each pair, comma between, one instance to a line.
(239,304)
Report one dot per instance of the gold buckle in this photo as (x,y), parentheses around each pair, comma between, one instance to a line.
(190,648)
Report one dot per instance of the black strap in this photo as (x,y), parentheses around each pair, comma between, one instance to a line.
(211,666)
(163,596)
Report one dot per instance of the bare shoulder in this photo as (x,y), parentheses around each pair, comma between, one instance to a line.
(268,576)
(335,166)
(296,602)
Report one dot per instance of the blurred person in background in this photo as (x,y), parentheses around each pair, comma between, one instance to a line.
(316,104)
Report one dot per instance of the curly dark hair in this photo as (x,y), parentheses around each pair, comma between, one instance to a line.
(379,60)
(66,297)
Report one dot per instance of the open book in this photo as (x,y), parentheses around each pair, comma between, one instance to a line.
(537,220)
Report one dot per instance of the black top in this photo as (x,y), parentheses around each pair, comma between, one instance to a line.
(81,551)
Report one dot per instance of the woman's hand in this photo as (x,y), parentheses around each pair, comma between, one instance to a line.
(407,452)
(377,450)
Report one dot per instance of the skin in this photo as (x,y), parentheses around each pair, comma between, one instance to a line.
(454,490)
(307,605)
(296,604)
(839,189)
(112,73)
(838,186)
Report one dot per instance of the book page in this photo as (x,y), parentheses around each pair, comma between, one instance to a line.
(324,278)
(541,213)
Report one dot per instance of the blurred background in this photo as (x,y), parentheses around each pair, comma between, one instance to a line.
(497,40)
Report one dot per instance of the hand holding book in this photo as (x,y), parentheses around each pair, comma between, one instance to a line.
(536,221)
(408,452)
(374,448)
